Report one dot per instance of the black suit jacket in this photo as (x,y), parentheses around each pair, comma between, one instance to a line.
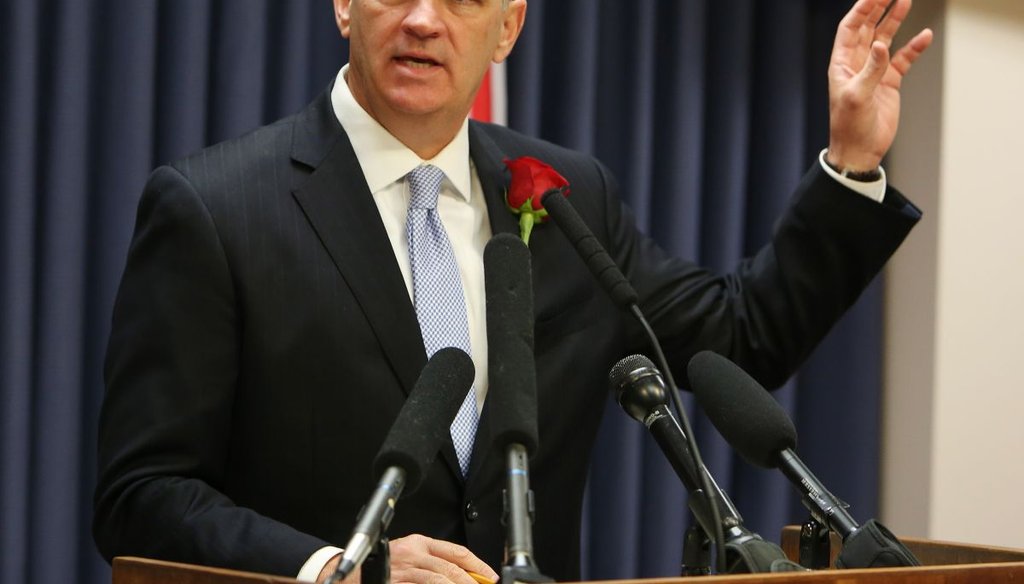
(263,341)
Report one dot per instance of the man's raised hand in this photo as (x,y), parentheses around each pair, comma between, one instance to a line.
(864,83)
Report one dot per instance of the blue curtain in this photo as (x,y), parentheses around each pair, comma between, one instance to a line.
(708,112)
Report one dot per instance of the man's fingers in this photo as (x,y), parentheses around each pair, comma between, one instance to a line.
(855,33)
(461,557)
(860,15)
(878,62)
(877,12)
(889,26)
(905,57)
(869,29)
(427,569)
(426,575)
(423,560)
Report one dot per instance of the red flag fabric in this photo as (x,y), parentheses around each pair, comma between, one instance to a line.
(491,103)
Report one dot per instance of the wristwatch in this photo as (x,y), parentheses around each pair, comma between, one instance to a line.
(857,175)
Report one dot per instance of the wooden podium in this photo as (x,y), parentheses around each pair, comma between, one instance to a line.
(944,563)
(144,571)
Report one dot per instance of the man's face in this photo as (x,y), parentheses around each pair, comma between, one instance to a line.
(424,57)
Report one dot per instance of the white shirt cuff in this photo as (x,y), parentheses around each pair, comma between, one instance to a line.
(874,190)
(316,562)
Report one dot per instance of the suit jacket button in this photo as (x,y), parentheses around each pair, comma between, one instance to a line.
(471,513)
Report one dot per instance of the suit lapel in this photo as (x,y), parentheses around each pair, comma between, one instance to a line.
(488,159)
(338,205)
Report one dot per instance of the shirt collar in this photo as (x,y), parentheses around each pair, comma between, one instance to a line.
(383,158)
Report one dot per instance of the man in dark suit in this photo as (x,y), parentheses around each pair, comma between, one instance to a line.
(265,336)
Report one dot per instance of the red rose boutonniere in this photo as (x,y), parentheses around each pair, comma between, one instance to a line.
(531,180)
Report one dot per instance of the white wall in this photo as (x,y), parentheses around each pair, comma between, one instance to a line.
(953,464)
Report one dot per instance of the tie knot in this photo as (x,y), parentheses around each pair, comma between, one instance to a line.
(424,186)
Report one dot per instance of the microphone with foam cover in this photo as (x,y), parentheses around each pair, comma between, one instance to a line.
(423,423)
(511,371)
(408,451)
(741,409)
(512,393)
(758,428)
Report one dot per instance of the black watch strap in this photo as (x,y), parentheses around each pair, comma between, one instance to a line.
(857,175)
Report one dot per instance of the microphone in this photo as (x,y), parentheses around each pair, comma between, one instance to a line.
(758,428)
(623,294)
(512,377)
(589,248)
(641,392)
(512,392)
(409,449)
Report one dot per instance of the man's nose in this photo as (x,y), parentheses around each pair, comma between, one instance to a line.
(425,18)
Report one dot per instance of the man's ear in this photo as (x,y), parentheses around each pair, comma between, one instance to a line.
(511,26)
(342,16)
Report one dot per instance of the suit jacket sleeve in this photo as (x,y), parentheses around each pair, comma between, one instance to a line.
(171,372)
(775,307)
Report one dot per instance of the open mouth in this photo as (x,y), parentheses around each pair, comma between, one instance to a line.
(417,62)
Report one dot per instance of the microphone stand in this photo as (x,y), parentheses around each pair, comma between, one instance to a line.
(872,545)
(718,534)
(518,514)
(640,391)
(371,525)
(696,552)
(815,545)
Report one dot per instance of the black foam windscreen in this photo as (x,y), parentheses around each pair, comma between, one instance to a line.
(741,409)
(590,249)
(425,419)
(512,387)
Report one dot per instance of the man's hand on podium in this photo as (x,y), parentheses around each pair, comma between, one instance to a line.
(421,560)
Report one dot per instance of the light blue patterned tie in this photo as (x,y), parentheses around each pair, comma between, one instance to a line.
(437,291)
